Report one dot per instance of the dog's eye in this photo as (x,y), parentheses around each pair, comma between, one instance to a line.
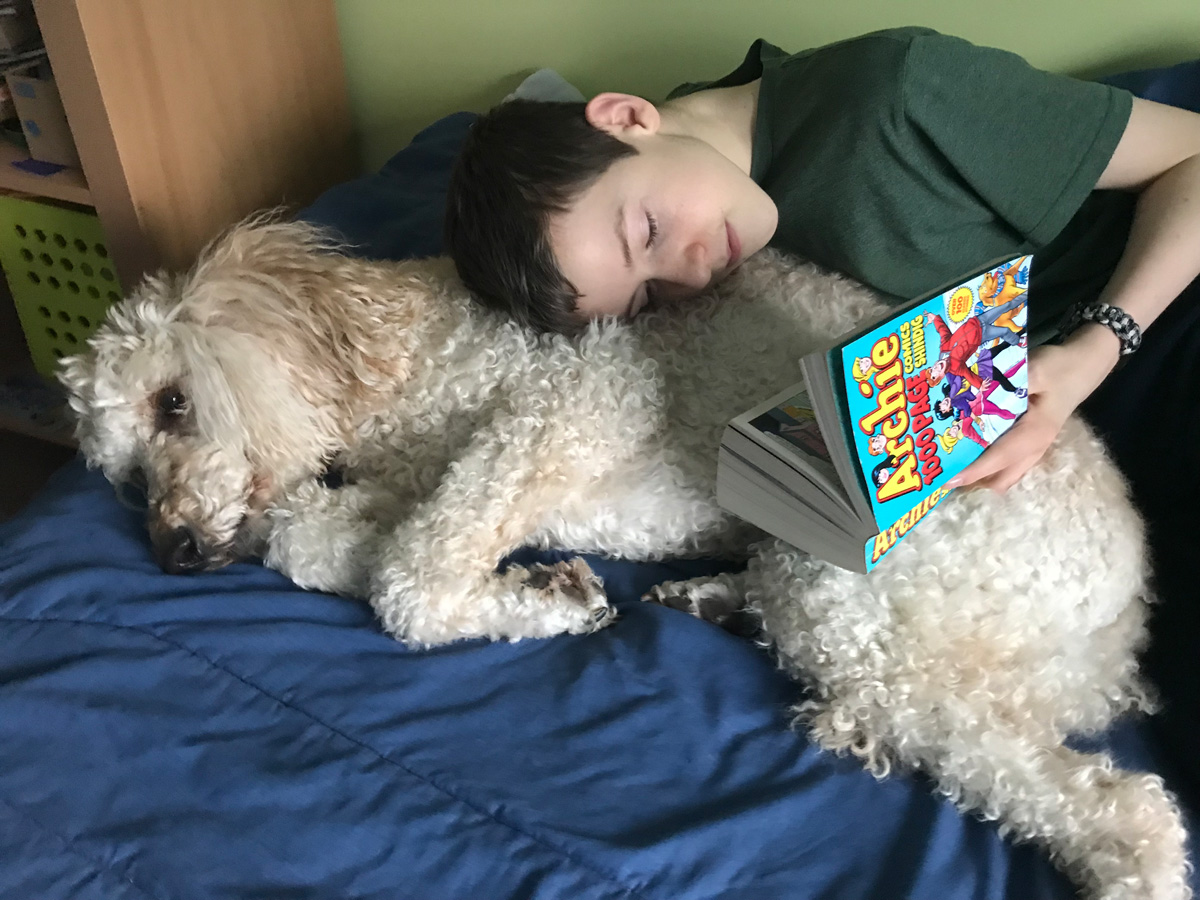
(170,405)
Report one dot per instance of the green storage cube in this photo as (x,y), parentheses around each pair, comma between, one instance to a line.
(60,275)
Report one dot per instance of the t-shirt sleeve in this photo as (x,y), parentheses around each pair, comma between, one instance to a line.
(1030,144)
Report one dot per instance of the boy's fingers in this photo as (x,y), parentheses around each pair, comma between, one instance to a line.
(986,465)
(1006,478)
(1004,462)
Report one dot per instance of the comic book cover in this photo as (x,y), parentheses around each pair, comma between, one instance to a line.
(924,394)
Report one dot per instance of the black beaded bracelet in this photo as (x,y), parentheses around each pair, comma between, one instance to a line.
(1114,318)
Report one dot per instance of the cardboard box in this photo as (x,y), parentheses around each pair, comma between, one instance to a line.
(42,116)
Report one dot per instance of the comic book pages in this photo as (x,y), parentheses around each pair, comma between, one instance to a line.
(794,423)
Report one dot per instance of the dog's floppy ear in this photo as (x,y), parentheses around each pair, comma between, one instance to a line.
(265,274)
(77,373)
(96,428)
(99,392)
(264,242)
(318,309)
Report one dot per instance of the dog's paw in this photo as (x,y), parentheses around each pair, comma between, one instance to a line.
(574,588)
(717,600)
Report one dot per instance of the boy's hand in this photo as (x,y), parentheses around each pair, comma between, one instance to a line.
(1060,378)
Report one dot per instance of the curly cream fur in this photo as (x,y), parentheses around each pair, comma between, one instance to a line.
(999,626)
(982,644)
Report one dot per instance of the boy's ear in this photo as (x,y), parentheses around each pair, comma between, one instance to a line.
(623,115)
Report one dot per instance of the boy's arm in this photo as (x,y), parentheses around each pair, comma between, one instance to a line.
(1158,156)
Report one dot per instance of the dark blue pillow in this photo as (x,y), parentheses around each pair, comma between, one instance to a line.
(397,212)
(1175,85)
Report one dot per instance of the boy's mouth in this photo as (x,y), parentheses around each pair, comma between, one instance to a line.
(733,245)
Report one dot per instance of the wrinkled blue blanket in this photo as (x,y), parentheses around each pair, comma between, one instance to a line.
(227,735)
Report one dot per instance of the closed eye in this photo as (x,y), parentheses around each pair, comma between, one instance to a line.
(653,230)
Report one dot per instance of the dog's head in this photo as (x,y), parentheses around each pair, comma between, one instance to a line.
(209,388)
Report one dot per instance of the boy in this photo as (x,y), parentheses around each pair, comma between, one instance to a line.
(902,158)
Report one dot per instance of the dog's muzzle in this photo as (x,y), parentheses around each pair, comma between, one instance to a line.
(178,551)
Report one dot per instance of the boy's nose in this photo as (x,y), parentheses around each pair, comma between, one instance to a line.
(697,266)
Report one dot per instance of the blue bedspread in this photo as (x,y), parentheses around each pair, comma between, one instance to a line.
(229,736)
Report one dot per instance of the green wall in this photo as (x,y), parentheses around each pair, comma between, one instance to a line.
(409,62)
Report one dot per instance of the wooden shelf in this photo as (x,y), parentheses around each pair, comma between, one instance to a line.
(68,185)
(187,117)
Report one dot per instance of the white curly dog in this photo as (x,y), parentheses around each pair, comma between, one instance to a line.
(369,430)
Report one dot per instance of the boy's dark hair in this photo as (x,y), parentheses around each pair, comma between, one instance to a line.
(521,163)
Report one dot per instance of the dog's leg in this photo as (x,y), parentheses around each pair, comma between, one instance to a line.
(900,685)
(329,539)
(1117,834)
(720,599)
(437,581)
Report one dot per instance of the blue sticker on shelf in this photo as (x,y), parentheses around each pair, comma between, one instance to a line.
(38,167)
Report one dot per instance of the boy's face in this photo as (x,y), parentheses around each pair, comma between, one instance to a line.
(660,226)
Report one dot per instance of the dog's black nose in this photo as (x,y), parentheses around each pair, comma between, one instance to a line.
(179,553)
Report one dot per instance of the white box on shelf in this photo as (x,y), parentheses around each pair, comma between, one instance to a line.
(43,119)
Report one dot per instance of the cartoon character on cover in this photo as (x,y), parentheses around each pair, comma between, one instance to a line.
(969,407)
(965,427)
(959,398)
(1001,287)
(876,445)
(882,472)
(965,418)
(959,429)
(985,368)
(951,436)
(862,368)
(957,347)
(980,405)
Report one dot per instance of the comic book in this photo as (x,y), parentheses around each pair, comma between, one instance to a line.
(845,463)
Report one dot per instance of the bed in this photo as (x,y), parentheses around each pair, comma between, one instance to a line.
(227,735)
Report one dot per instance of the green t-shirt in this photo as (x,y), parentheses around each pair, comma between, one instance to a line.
(907,158)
